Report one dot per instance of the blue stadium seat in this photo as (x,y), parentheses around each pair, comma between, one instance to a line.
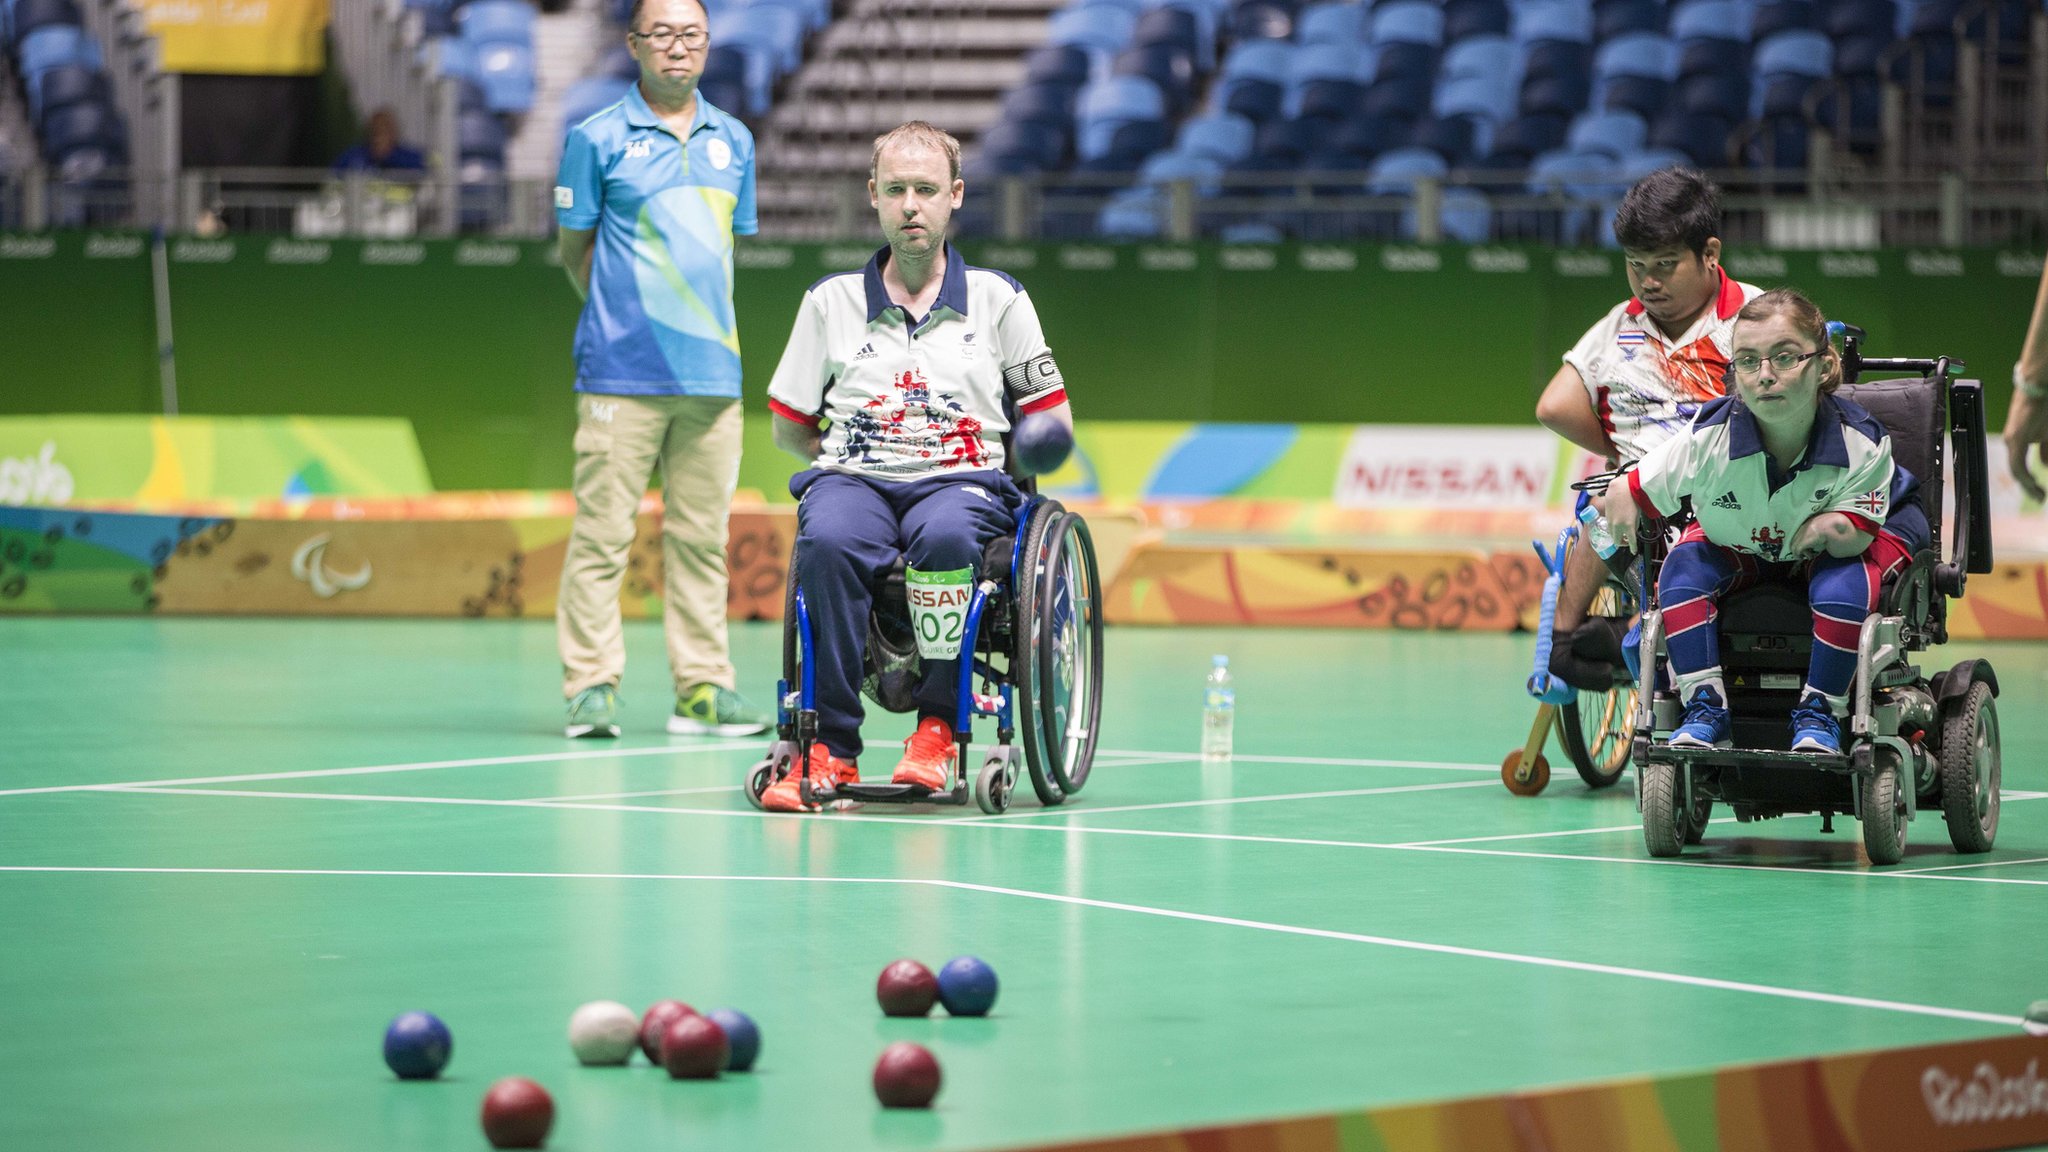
(1562,95)
(29,15)
(1167,65)
(1458,139)
(505,71)
(1784,94)
(1465,18)
(1407,22)
(1254,79)
(1397,96)
(1779,143)
(450,56)
(1106,104)
(1209,16)
(1696,57)
(1865,99)
(619,62)
(1554,20)
(1252,232)
(1621,17)
(1561,58)
(1171,167)
(1178,27)
(497,22)
(78,126)
(593,94)
(1099,28)
(1395,172)
(1637,165)
(1041,145)
(1341,22)
(1642,95)
(54,46)
(1721,94)
(1039,102)
(1465,216)
(1928,18)
(1288,141)
(1364,137)
(1710,20)
(1062,64)
(1782,16)
(481,134)
(1860,55)
(766,27)
(1861,18)
(1613,134)
(1133,214)
(815,14)
(1404,59)
(1637,54)
(64,85)
(1801,52)
(1485,55)
(1489,97)
(1527,136)
(1327,81)
(1126,145)
(1222,137)
(725,69)
(1704,138)
(1261,20)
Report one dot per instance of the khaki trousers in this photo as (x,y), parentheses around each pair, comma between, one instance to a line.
(619,441)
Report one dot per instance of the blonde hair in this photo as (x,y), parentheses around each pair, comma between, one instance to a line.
(1806,319)
(923,135)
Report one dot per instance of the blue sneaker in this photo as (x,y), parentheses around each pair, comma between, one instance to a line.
(1706,723)
(1814,727)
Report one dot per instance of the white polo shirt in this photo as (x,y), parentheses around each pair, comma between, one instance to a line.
(1646,387)
(1741,498)
(910,398)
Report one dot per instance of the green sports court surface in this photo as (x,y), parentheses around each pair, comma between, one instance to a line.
(234,849)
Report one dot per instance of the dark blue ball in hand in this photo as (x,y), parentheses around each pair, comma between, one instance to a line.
(1041,443)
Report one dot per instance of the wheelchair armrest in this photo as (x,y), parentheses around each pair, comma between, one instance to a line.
(1972,547)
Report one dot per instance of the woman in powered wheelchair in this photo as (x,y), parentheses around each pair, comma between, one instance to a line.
(1029,629)
(1774,669)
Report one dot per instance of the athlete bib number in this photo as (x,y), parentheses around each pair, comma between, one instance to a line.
(938,610)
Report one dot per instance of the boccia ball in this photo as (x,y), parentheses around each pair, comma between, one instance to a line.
(741,1036)
(907,1076)
(603,1032)
(967,986)
(655,1021)
(517,1113)
(1041,443)
(906,988)
(417,1046)
(694,1048)
(2036,1022)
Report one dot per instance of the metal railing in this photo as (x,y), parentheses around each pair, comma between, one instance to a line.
(147,97)
(1760,208)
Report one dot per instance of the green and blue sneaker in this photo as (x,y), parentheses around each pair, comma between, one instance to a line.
(594,713)
(710,710)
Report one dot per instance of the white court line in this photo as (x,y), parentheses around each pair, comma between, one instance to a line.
(1065,811)
(421,766)
(1140,909)
(1337,761)
(1089,829)
(1636,827)
(1980,864)
(622,795)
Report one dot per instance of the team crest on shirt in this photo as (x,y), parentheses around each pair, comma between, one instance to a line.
(719,153)
(909,427)
(1768,541)
(1629,342)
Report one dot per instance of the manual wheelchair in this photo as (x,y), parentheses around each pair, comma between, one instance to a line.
(1034,621)
(1909,741)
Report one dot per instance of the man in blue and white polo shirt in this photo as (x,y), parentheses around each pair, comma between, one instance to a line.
(651,192)
(892,388)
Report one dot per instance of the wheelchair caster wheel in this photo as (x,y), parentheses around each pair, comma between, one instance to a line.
(758,780)
(1522,783)
(992,786)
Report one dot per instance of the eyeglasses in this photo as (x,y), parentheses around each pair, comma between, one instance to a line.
(1782,361)
(663,38)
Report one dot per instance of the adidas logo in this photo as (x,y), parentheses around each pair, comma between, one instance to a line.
(1727,500)
(867,352)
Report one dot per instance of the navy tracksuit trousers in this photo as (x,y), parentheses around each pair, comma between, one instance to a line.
(850,529)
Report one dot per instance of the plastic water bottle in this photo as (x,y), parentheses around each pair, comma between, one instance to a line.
(1219,711)
(1598,532)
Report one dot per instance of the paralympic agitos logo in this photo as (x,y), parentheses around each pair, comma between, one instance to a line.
(1986,1097)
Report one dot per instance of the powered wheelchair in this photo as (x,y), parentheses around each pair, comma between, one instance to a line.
(1910,741)
(1034,642)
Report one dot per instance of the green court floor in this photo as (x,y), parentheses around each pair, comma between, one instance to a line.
(230,851)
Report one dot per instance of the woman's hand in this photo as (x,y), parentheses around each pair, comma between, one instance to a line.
(1621,512)
(1829,532)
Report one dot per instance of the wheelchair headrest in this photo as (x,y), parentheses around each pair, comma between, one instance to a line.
(1915,411)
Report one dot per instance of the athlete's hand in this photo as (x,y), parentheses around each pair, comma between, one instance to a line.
(2026,426)
(1829,532)
(1621,512)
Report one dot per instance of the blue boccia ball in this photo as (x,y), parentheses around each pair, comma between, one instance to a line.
(742,1038)
(967,986)
(417,1046)
(1041,444)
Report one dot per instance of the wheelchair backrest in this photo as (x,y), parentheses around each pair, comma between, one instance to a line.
(1914,410)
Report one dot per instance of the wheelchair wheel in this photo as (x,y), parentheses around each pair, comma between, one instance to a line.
(1595,728)
(1696,819)
(1884,809)
(1059,626)
(758,781)
(992,786)
(1664,821)
(1970,771)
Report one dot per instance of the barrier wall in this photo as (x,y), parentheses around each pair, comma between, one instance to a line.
(469,339)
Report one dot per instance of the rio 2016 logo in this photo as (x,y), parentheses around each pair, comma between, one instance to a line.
(37,479)
(1985,1097)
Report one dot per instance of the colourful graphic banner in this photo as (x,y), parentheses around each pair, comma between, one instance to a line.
(240,37)
(152,461)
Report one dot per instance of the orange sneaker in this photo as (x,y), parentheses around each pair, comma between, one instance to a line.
(928,755)
(826,771)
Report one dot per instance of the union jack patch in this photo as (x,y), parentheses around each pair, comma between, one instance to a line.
(1871,502)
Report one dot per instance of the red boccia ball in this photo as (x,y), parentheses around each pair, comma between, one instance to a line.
(907,988)
(517,1113)
(655,1021)
(907,1076)
(694,1048)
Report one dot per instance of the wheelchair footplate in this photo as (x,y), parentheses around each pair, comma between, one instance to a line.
(1747,758)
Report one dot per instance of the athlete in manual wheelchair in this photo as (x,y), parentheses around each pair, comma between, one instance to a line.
(1793,482)
(920,566)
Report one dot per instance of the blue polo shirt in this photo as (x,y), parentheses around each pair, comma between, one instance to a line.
(659,318)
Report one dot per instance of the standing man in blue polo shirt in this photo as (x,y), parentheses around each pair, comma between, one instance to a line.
(650,194)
